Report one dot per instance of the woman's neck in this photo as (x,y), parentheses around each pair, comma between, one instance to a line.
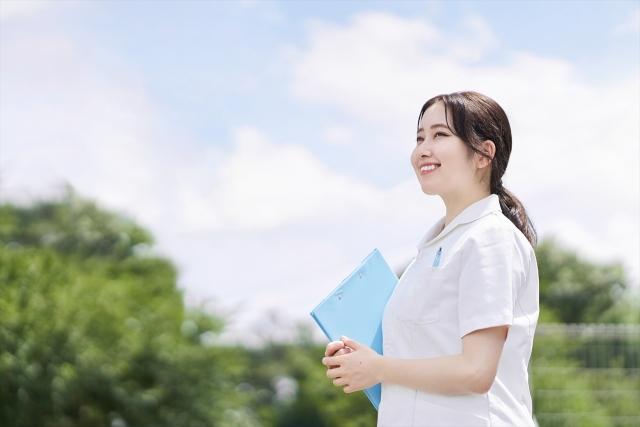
(456,204)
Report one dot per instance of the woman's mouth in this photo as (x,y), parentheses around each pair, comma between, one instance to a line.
(427,169)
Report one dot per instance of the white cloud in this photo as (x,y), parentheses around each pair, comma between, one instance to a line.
(300,226)
(106,134)
(266,185)
(473,42)
(630,26)
(107,140)
(274,206)
(339,135)
(366,61)
(574,143)
(13,9)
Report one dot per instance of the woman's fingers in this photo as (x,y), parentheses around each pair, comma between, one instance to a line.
(335,348)
(339,381)
(344,350)
(332,347)
(332,373)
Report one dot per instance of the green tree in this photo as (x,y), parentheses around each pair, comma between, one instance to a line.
(93,330)
(576,290)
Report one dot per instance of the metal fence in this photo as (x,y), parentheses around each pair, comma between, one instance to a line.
(586,375)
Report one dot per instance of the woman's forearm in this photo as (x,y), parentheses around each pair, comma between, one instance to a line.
(453,375)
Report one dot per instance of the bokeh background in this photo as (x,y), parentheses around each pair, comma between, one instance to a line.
(181,182)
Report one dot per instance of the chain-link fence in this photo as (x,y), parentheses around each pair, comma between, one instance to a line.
(586,375)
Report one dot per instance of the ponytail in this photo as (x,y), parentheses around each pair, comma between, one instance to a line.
(513,209)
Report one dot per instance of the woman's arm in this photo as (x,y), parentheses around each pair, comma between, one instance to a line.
(473,371)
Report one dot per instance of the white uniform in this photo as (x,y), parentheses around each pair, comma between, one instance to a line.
(487,275)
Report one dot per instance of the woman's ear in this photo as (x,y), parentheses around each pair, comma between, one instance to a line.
(488,148)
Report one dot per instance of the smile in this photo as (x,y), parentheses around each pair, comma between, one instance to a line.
(428,169)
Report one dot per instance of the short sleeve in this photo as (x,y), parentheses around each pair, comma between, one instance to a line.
(486,287)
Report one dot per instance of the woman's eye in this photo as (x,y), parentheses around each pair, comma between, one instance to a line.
(435,135)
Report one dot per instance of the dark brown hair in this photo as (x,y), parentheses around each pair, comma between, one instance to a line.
(476,118)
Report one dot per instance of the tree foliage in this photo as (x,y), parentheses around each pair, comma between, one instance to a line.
(94,332)
(574,290)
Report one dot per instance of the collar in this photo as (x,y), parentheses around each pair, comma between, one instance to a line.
(474,211)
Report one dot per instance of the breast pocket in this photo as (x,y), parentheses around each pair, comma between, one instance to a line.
(425,296)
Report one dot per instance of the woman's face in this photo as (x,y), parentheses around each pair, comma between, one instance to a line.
(437,144)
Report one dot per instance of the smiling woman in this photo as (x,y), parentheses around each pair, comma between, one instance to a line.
(458,329)
(478,125)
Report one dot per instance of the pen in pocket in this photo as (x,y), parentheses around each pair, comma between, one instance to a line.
(436,260)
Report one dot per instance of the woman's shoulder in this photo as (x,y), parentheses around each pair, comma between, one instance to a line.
(491,228)
(498,229)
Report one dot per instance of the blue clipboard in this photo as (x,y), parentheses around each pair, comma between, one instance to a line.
(355,308)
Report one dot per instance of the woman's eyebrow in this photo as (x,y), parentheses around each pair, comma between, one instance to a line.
(434,126)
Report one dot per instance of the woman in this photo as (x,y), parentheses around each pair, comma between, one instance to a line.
(458,329)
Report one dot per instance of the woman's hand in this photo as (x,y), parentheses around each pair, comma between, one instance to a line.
(357,370)
(336,348)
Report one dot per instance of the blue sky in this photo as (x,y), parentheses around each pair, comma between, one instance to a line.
(210,65)
(230,128)
(204,59)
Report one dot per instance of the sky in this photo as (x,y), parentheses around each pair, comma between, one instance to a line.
(266,144)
